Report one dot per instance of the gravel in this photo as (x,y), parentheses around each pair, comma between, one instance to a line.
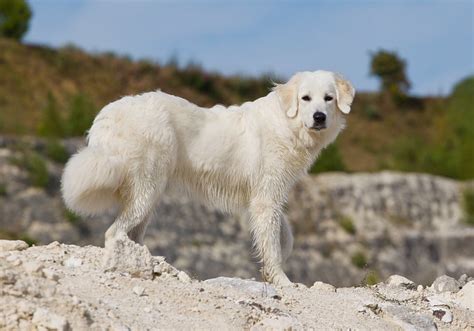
(43,292)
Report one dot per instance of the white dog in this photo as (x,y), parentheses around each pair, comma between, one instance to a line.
(241,159)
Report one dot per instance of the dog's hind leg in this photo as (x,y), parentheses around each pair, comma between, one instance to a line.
(146,180)
(133,218)
(138,232)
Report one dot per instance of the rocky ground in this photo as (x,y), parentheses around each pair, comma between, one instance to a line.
(61,287)
(350,229)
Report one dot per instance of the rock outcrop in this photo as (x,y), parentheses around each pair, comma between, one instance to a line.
(349,229)
(41,288)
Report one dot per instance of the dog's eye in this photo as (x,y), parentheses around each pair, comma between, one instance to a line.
(306,98)
(328,98)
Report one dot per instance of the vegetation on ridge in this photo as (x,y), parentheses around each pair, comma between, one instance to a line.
(57,92)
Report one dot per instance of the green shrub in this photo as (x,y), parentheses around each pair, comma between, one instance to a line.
(372,278)
(3,190)
(71,217)
(51,124)
(371,112)
(347,224)
(37,170)
(329,160)
(450,153)
(81,113)
(197,79)
(56,151)
(468,205)
(359,259)
(26,238)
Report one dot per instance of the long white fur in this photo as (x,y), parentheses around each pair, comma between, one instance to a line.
(240,159)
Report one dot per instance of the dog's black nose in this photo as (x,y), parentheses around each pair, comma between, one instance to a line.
(319,117)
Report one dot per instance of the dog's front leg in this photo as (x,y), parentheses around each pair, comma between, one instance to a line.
(266,218)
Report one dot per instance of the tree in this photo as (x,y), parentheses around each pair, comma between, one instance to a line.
(14,18)
(391,70)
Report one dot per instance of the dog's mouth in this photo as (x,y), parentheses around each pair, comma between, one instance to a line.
(318,127)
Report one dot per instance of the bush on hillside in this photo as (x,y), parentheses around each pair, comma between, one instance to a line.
(329,160)
(451,151)
(51,124)
(74,121)
(81,113)
(56,151)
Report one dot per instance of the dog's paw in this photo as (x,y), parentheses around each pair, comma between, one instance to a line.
(281,280)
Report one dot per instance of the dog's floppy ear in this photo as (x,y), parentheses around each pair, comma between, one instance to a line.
(288,96)
(344,93)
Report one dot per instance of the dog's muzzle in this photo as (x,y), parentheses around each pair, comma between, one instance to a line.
(319,121)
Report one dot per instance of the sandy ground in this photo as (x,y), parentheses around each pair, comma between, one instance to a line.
(61,287)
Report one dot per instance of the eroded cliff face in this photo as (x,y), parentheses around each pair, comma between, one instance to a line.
(349,229)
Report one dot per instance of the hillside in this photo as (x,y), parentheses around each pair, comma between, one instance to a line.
(376,137)
(64,287)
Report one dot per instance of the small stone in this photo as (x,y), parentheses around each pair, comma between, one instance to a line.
(161,267)
(400,281)
(124,255)
(183,277)
(138,290)
(408,319)
(44,318)
(50,274)
(73,262)
(250,287)
(463,279)
(439,313)
(361,309)
(436,300)
(12,245)
(443,314)
(54,244)
(466,296)
(323,287)
(445,284)
(147,309)
(14,260)
(277,323)
(420,288)
(119,327)
(448,317)
(32,267)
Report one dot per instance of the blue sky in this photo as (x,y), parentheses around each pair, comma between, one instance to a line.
(251,37)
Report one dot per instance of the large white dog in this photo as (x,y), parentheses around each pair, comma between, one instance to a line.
(238,159)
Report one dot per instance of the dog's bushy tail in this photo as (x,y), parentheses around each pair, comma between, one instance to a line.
(91,180)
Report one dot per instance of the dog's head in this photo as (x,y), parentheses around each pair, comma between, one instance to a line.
(316,98)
